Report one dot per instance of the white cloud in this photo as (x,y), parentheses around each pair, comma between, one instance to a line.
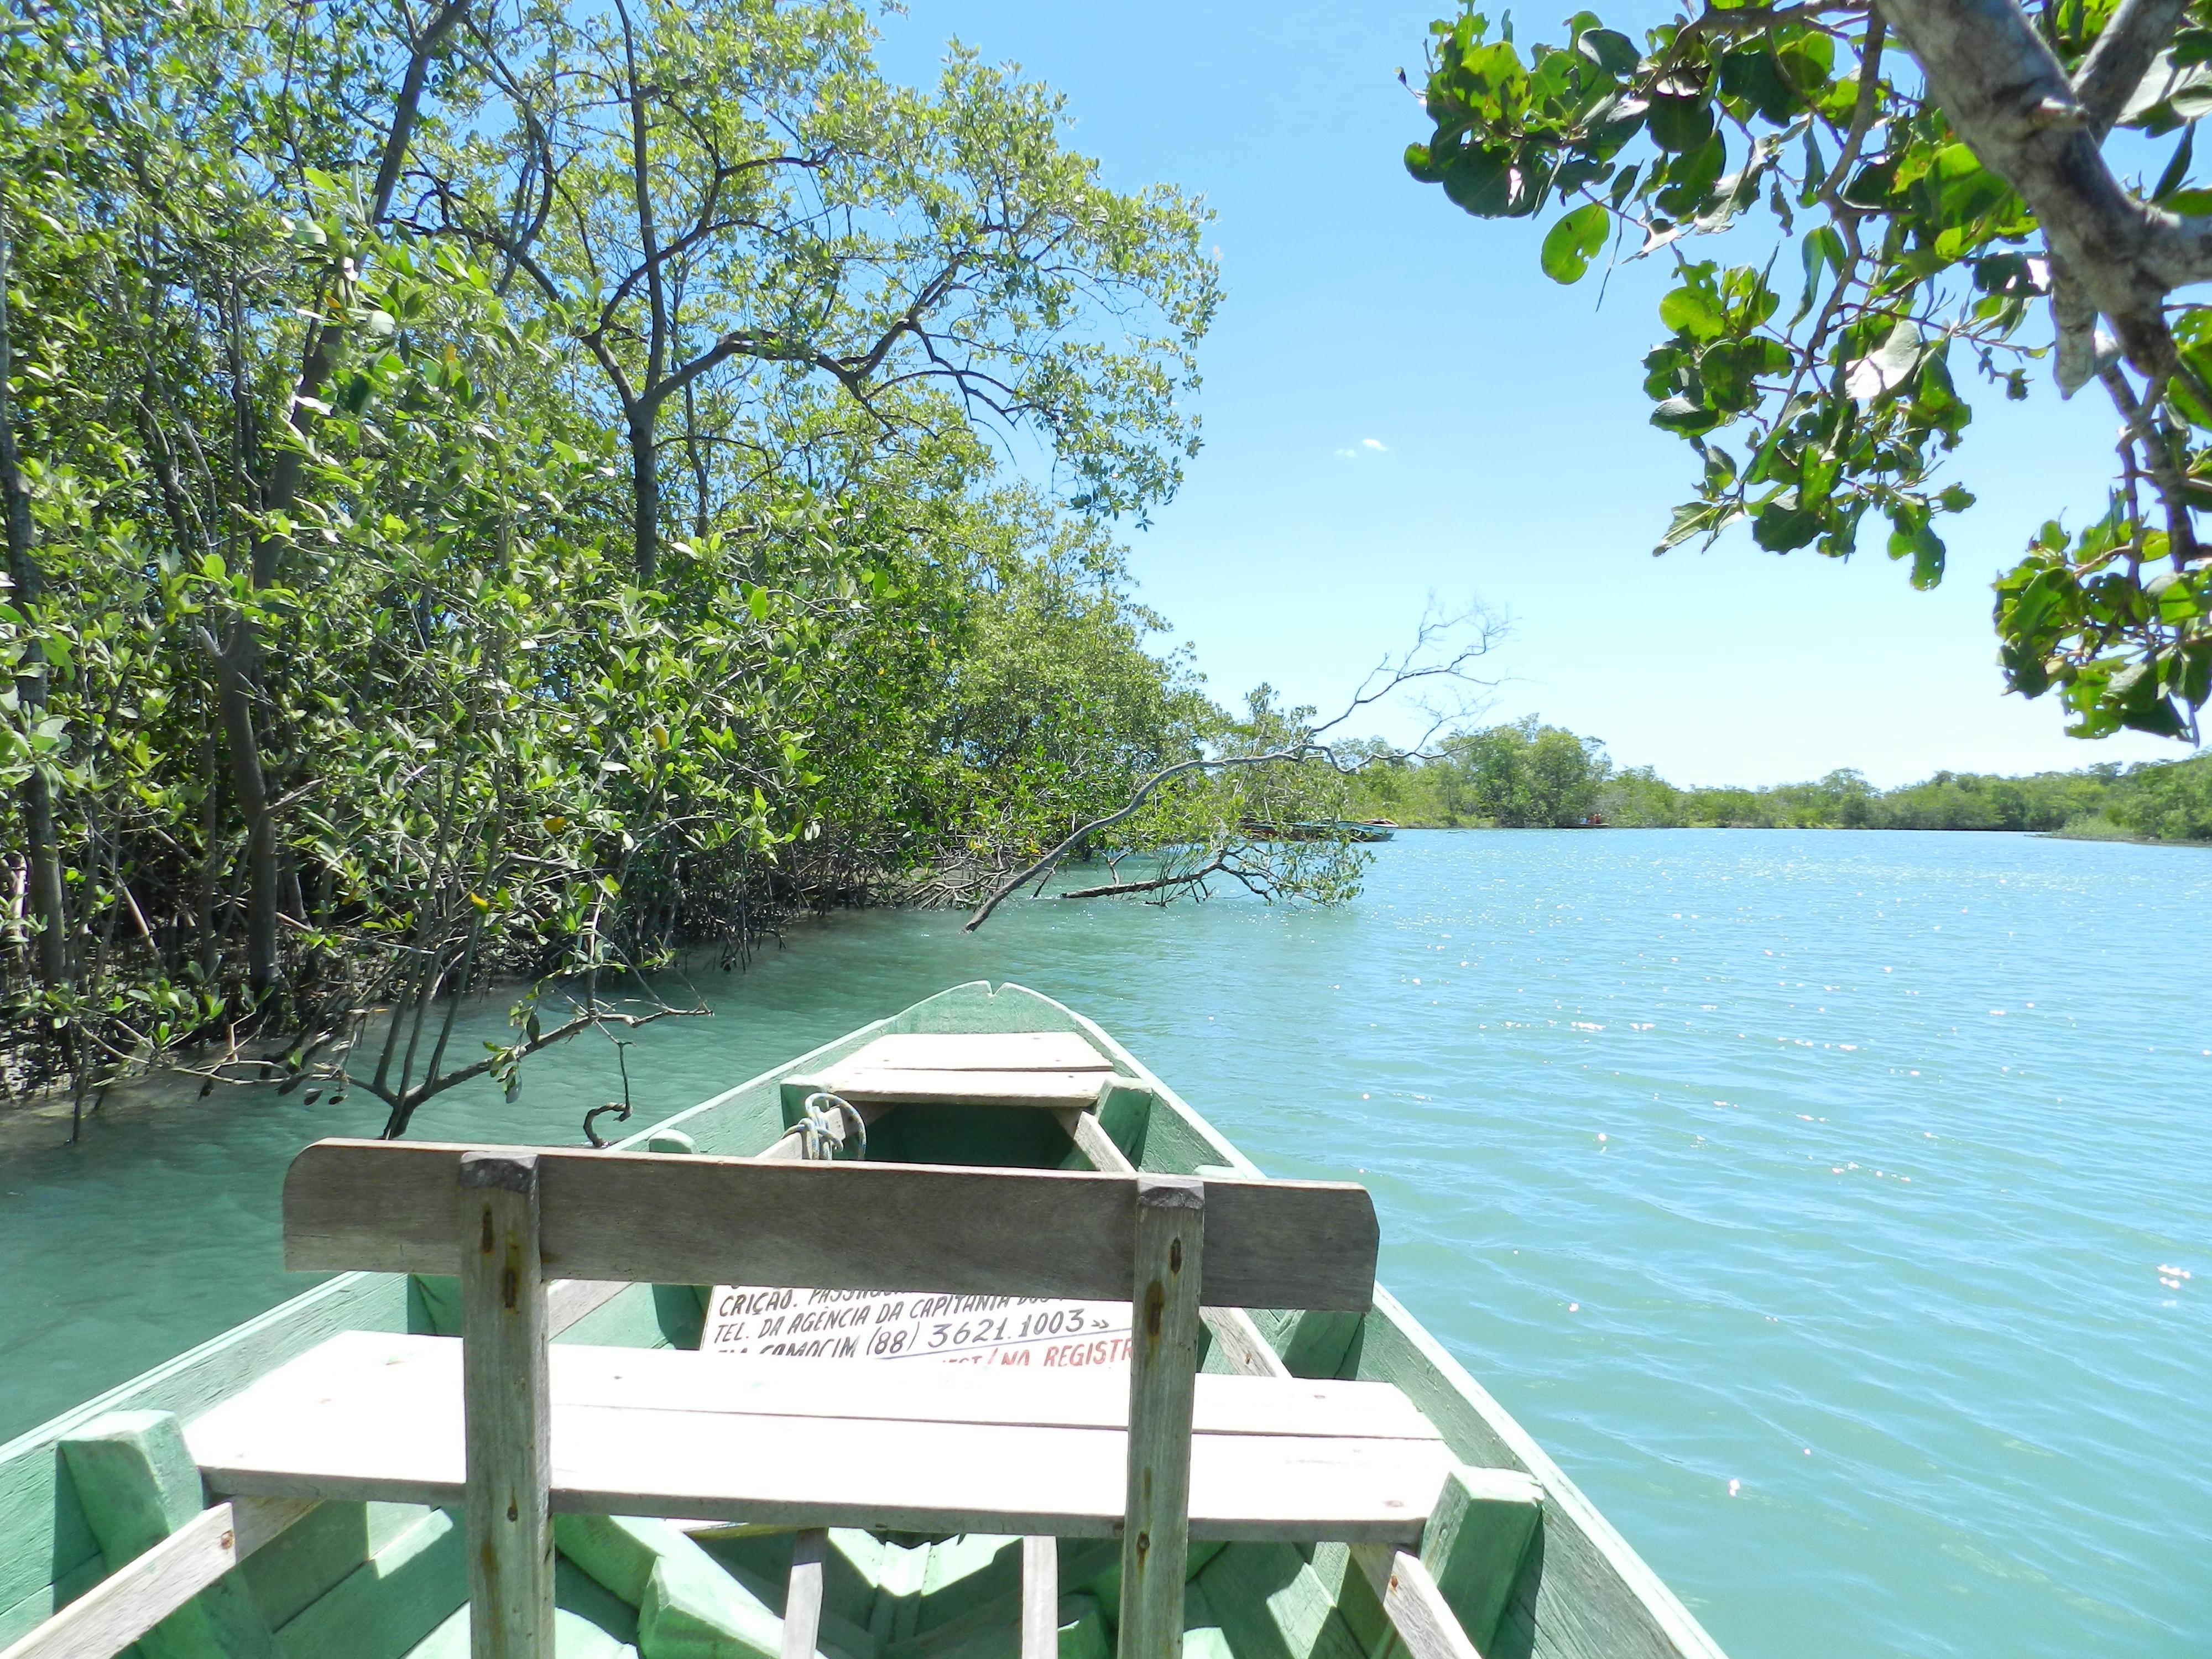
(1375,444)
(1365,446)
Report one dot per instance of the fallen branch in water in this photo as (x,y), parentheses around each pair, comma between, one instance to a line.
(1470,636)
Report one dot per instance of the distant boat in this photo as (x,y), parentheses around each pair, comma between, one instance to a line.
(830,1492)
(1370,831)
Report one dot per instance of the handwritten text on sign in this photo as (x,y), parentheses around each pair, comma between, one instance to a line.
(1046,1332)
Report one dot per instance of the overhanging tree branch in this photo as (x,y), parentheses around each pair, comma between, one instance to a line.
(1394,674)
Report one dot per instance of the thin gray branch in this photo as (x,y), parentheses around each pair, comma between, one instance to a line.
(2123,53)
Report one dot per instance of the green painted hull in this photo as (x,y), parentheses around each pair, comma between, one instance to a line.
(389,1581)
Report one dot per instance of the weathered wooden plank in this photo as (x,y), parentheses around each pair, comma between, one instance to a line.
(312,1557)
(873,1226)
(936,1477)
(1271,1605)
(1170,1248)
(1040,1598)
(885,1086)
(374,1437)
(37,1499)
(802,1596)
(1417,1607)
(1246,1349)
(1091,1140)
(508,1413)
(1477,1537)
(421,1375)
(568,1300)
(1241,1342)
(134,1476)
(977,1051)
(137,1595)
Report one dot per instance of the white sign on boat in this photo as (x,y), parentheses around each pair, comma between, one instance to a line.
(1041,1332)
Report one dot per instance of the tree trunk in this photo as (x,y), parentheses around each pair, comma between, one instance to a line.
(645,475)
(270,879)
(234,695)
(41,851)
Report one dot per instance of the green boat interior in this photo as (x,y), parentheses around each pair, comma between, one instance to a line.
(1503,1559)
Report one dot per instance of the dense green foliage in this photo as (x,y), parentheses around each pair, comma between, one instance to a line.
(517,491)
(1823,376)
(1530,775)
(1524,775)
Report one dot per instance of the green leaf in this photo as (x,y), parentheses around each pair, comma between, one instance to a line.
(2177,170)
(1479,181)
(1680,415)
(1695,519)
(1610,49)
(1889,367)
(1925,548)
(1694,312)
(1571,245)
(1680,124)
(1690,175)
(1781,529)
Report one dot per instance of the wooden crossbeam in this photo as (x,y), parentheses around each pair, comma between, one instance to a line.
(802,1596)
(977,1051)
(1417,1608)
(506,1402)
(883,1085)
(1162,1369)
(141,1592)
(386,1206)
(1040,1598)
(1248,1351)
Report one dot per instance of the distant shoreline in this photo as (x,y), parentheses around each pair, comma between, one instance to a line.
(2098,835)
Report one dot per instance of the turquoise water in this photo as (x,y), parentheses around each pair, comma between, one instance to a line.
(1820,1200)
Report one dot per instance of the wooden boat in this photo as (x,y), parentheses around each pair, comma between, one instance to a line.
(1336,1486)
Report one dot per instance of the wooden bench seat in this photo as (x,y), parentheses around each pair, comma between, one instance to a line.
(1054,1070)
(511,1219)
(826,1444)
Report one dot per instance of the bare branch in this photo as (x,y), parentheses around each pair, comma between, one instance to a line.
(1300,751)
(1391,675)
(1119,889)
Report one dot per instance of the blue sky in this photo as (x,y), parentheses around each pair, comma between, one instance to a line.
(1397,403)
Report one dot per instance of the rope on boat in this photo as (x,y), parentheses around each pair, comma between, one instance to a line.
(822,1129)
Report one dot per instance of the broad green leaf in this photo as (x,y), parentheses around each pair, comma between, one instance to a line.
(1572,242)
(1781,529)
(1680,124)
(1610,49)
(1680,415)
(1694,312)
(1888,367)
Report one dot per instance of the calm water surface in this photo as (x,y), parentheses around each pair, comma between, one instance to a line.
(1827,1203)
